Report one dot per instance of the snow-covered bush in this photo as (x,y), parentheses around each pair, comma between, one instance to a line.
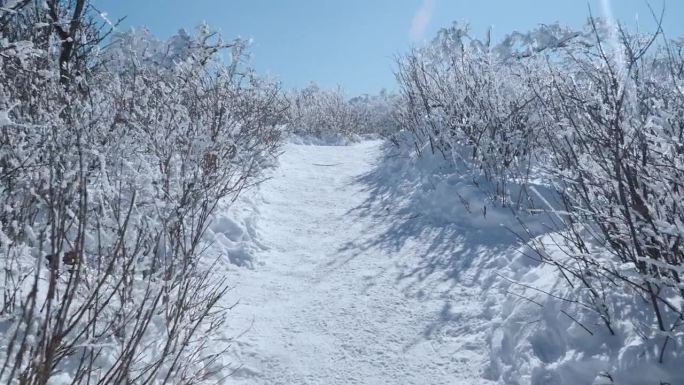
(617,164)
(463,99)
(112,161)
(376,113)
(320,112)
(596,116)
(328,113)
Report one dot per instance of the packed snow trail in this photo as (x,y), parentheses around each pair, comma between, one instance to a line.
(325,302)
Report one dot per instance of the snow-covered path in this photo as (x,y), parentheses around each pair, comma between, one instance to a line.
(325,303)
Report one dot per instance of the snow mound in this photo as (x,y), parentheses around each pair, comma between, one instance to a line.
(541,331)
(233,231)
(545,334)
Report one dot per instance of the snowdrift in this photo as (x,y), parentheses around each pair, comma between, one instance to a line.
(542,330)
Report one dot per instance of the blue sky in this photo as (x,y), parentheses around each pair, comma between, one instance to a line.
(353,42)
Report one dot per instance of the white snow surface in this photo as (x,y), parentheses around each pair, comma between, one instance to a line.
(349,287)
(357,265)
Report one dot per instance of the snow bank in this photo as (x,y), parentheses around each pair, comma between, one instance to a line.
(542,331)
(545,334)
(449,194)
(233,234)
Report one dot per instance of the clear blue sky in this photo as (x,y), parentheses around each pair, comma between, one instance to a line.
(353,42)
